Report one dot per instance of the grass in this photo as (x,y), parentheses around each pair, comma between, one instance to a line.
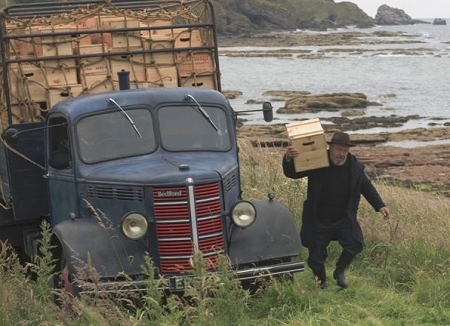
(402,277)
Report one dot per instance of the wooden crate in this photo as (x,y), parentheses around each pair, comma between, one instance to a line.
(93,84)
(26,47)
(90,23)
(135,64)
(187,38)
(161,58)
(165,34)
(162,76)
(61,72)
(208,81)
(19,114)
(56,95)
(26,82)
(93,65)
(56,45)
(124,39)
(309,139)
(198,63)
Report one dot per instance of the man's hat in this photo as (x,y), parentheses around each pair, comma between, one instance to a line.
(341,138)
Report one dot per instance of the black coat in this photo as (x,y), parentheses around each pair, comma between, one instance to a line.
(359,185)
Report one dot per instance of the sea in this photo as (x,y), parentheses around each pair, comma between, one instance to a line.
(419,78)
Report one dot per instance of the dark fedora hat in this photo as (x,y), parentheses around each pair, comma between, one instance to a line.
(341,138)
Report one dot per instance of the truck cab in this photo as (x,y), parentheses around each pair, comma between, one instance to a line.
(156,173)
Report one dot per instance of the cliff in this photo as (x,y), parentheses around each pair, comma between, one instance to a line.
(241,16)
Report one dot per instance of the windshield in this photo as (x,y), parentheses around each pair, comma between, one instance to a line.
(185,128)
(111,135)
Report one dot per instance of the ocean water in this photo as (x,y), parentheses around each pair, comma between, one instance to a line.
(420,80)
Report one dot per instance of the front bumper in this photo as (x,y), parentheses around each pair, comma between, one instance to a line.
(176,284)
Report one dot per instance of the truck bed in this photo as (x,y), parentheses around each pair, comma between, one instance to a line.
(54,51)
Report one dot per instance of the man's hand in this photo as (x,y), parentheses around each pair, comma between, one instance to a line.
(385,212)
(290,153)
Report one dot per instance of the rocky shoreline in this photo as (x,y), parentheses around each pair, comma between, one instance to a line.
(423,167)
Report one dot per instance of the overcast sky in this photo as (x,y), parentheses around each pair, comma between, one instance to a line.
(413,8)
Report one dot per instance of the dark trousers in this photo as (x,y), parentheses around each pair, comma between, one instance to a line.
(326,231)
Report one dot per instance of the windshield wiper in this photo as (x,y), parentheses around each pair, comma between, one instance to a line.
(203,112)
(126,115)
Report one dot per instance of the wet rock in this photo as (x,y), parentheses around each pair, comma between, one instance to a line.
(232,94)
(369,122)
(328,102)
(352,113)
(388,95)
(252,101)
(312,56)
(285,94)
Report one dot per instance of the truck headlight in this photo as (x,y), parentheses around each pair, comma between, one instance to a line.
(243,214)
(134,226)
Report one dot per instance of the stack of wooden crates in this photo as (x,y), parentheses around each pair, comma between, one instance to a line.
(35,85)
(309,139)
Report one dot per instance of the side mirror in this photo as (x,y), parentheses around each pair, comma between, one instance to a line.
(267,111)
(11,135)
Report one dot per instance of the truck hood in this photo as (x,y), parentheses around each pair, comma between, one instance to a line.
(163,169)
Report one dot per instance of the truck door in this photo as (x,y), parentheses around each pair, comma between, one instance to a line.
(60,171)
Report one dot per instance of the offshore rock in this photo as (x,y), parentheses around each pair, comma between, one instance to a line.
(439,21)
(392,16)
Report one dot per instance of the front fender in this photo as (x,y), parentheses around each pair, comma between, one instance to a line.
(87,244)
(273,235)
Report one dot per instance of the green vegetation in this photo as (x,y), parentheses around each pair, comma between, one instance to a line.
(401,278)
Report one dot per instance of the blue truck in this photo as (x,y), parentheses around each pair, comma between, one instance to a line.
(133,172)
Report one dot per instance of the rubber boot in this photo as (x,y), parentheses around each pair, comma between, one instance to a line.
(344,260)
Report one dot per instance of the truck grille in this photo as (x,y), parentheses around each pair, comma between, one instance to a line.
(174,226)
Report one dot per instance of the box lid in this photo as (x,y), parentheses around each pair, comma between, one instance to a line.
(305,128)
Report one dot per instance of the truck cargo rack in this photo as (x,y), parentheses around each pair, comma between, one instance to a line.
(46,9)
(57,50)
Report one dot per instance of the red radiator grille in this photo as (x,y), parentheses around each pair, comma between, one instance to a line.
(180,247)
(209,226)
(172,211)
(204,191)
(213,244)
(208,208)
(175,266)
(174,227)
(174,230)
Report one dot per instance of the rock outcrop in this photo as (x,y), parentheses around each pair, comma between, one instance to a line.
(439,21)
(325,102)
(392,16)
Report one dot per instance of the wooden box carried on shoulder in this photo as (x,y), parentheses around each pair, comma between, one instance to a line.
(309,139)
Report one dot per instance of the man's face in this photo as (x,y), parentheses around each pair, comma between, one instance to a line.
(338,153)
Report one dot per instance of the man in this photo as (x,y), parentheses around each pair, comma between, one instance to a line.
(330,211)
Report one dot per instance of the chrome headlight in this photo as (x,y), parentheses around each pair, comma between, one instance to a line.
(134,226)
(243,214)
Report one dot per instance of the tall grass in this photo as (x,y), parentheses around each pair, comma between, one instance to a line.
(400,278)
